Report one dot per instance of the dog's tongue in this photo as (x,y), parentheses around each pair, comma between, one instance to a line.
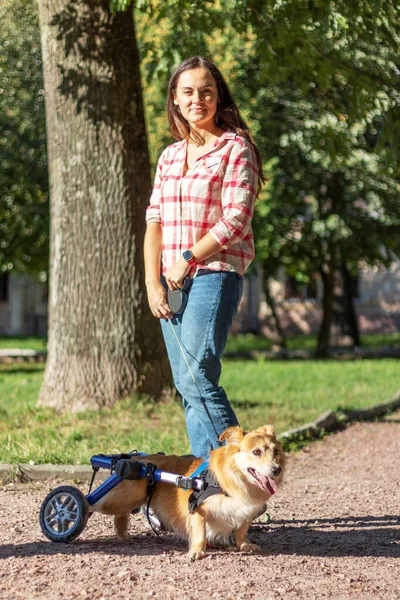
(270,485)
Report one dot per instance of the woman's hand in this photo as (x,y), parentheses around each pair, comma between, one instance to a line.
(176,274)
(157,297)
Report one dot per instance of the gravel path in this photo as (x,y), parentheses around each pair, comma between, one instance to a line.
(335,533)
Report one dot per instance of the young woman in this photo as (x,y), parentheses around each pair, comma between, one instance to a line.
(199,227)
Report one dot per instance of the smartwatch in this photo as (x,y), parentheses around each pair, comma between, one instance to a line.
(188,256)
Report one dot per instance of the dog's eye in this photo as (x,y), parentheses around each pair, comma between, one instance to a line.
(276,451)
(257,452)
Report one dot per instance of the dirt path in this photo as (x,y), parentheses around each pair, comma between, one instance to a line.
(335,534)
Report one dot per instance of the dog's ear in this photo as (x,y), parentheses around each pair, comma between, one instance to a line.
(233,435)
(266,430)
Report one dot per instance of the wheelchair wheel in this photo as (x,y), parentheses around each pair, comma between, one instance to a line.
(64,514)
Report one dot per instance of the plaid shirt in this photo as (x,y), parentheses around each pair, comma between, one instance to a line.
(216,196)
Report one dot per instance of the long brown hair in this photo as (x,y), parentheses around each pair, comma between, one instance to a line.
(227,116)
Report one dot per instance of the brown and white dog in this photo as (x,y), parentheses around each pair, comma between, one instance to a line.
(248,469)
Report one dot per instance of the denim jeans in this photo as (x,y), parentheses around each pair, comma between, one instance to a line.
(202,330)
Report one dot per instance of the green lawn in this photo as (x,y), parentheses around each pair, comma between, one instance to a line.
(24,343)
(236,343)
(249,341)
(286,393)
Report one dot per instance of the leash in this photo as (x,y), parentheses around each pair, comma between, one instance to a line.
(204,465)
(195,383)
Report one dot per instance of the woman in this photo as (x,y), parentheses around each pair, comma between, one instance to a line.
(199,227)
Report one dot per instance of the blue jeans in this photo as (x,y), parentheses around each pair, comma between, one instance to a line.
(202,330)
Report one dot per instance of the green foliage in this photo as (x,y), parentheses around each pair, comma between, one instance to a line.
(334,194)
(325,115)
(24,210)
(317,81)
(325,43)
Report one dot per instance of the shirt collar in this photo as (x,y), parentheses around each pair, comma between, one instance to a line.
(228,135)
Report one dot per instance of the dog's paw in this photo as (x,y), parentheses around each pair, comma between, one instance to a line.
(196,554)
(247,547)
(233,548)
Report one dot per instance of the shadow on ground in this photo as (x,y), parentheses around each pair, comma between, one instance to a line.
(335,537)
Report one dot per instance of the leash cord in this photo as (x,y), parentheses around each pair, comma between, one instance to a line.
(195,383)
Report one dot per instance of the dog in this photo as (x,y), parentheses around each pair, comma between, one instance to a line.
(248,469)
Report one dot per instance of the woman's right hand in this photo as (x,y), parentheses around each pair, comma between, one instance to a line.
(157,297)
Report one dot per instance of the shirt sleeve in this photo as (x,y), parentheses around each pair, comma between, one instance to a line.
(239,191)
(153,214)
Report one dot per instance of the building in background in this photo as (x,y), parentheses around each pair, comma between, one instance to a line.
(376,293)
(23,305)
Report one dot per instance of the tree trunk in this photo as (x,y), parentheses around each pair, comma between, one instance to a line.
(103,342)
(344,319)
(271,303)
(332,301)
(323,345)
(340,331)
(352,319)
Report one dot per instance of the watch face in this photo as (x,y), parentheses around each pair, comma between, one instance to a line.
(187,255)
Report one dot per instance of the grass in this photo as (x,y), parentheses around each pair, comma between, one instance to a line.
(290,394)
(24,343)
(236,343)
(249,341)
(285,393)
(375,340)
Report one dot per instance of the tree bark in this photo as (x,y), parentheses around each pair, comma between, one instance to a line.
(271,303)
(351,314)
(340,326)
(103,342)
(330,306)
(344,318)
(323,344)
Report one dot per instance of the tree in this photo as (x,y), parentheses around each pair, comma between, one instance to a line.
(322,80)
(24,208)
(103,341)
(333,205)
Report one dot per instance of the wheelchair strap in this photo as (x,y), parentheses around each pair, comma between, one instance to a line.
(151,484)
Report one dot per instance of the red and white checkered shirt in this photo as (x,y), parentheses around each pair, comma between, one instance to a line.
(216,196)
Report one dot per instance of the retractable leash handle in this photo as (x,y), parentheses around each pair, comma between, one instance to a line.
(203,401)
(177,299)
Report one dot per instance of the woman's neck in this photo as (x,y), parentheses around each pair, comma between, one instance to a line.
(205,132)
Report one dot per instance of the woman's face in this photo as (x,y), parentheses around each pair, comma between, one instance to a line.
(197,97)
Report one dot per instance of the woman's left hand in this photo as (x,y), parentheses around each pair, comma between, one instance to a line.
(176,274)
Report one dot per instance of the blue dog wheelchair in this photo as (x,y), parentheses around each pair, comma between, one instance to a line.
(65,511)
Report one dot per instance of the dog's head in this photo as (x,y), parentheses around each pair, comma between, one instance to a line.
(258,455)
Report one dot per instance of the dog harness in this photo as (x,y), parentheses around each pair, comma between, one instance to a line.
(211,486)
(196,498)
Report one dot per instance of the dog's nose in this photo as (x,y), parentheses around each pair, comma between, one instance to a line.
(276,470)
